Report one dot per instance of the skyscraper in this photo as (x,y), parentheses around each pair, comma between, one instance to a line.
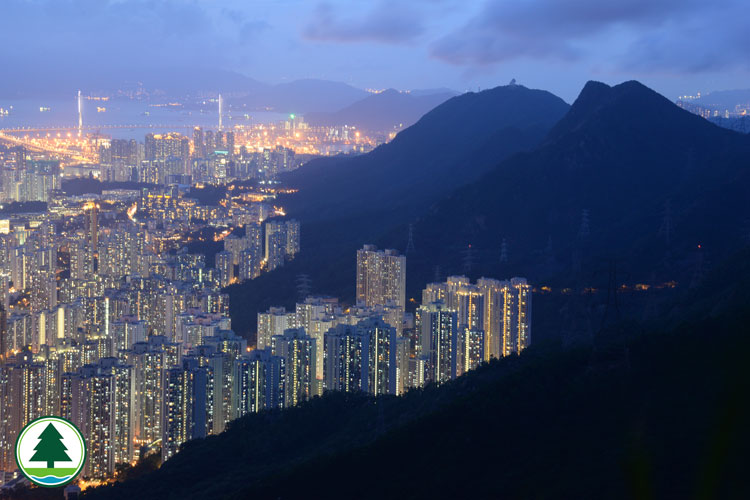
(299,353)
(381,277)
(437,327)
(519,331)
(260,382)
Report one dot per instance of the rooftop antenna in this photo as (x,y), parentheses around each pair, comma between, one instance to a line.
(80,114)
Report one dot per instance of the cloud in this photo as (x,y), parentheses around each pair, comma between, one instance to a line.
(689,35)
(121,33)
(388,22)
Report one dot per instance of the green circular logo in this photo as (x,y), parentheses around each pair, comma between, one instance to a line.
(50,451)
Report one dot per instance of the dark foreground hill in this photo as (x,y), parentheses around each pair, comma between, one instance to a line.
(640,412)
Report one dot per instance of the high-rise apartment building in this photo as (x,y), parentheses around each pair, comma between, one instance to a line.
(381,277)
(299,353)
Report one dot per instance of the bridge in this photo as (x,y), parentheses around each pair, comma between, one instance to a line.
(91,128)
(20,137)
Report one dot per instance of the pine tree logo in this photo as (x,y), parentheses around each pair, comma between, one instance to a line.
(50,448)
(50,451)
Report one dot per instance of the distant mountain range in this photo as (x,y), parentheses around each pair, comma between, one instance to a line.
(725,99)
(384,111)
(299,96)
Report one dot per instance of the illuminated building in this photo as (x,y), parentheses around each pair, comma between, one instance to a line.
(299,353)
(381,277)
(199,145)
(282,241)
(361,357)
(273,322)
(249,264)
(22,399)
(519,332)
(123,408)
(149,360)
(93,227)
(316,316)
(437,331)
(499,309)
(91,396)
(186,401)
(260,382)
(494,301)
(225,266)
(343,359)
(160,147)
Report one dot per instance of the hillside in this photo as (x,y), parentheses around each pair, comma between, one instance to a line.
(449,146)
(346,202)
(642,411)
(381,112)
(665,195)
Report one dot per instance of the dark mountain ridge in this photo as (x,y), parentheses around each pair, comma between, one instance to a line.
(628,157)
(452,144)
(382,112)
(345,202)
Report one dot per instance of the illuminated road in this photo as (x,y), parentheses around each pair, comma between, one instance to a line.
(61,153)
(89,128)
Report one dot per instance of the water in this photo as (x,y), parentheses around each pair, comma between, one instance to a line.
(142,115)
(51,480)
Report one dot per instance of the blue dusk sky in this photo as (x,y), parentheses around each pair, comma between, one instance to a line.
(674,46)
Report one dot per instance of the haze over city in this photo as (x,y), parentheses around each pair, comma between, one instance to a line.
(674,47)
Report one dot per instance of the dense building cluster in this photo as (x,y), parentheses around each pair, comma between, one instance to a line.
(211,157)
(376,347)
(108,320)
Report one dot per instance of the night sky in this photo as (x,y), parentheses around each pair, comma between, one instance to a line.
(674,46)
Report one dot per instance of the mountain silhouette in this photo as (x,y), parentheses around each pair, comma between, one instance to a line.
(382,112)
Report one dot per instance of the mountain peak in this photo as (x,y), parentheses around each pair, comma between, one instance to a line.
(628,102)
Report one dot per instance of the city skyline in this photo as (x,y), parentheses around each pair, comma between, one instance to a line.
(264,249)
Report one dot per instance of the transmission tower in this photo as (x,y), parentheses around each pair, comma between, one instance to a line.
(468,259)
(304,286)
(612,307)
(438,276)
(504,251)
(666,223)
(698,269)
(410,241)
(584,230)
(549,252)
